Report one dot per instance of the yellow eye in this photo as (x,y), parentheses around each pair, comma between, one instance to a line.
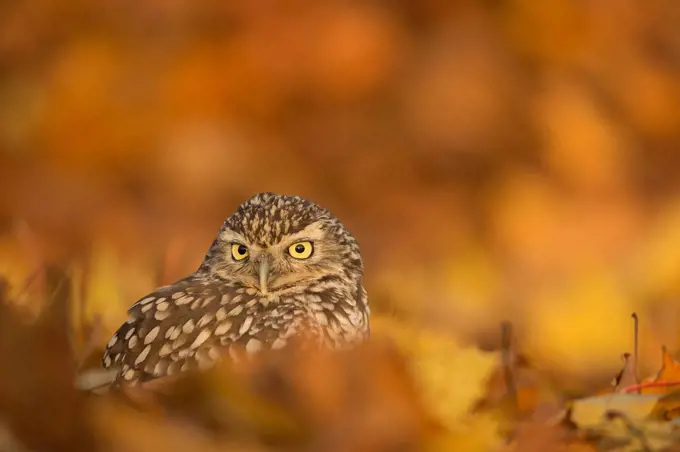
(239,251)
(301,250)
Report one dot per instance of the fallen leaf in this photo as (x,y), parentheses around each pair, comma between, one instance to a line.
(591,412)
(669,406)
(626,377)
(668,378)
(624,421)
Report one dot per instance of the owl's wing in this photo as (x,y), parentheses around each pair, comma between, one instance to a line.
(184,326)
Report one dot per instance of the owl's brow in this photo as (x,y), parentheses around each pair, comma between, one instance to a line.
(311,232)
(231,236)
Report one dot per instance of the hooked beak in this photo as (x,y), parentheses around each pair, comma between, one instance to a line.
(264,275)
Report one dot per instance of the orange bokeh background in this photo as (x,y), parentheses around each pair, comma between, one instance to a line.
(496,160)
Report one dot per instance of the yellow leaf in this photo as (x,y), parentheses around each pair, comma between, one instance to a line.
(452,378)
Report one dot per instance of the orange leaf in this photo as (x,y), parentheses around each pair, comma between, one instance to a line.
(668,378)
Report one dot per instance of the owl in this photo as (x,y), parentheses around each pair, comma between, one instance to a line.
(280,268)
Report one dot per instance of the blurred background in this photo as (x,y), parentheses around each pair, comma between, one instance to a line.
(497,160)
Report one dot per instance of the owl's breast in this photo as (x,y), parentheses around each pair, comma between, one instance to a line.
(325,318)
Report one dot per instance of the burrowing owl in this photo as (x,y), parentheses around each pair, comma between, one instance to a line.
(281,266)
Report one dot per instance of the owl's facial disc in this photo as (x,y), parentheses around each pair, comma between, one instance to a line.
(270,268)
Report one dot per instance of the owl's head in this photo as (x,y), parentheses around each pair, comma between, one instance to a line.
(274,242)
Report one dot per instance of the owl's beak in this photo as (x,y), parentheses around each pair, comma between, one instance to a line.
(264,275)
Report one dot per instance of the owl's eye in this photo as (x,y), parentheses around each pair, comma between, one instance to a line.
(301,250)
(239,251)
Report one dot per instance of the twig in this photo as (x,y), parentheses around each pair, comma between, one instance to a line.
(635,346)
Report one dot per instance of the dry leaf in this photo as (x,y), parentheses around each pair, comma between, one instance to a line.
(627,377)
(667,379)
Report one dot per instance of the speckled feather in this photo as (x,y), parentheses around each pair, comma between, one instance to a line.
(194,322)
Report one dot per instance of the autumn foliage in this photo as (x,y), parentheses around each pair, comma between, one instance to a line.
(511,170)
